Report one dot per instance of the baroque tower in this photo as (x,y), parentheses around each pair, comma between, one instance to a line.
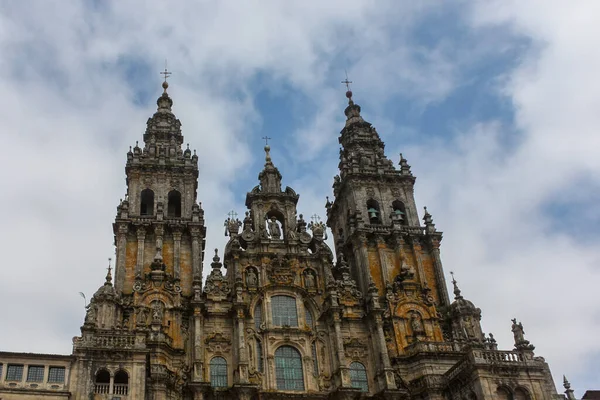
(137,339)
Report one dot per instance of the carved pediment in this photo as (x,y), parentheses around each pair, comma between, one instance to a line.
(217,342)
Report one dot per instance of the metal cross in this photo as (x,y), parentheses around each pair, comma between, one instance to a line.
(232,214)
(315,218)
(452,273)
(347,82)
(109,266)
(266,139)
(166,73)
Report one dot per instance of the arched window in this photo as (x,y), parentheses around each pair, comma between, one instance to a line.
(284,311)
(358,376)
(373,211)
(288,369)
(218,372)
(521,394)
(147,202)
(399,212)
(174,204)
(259,356)
(102,382)
(121,384)
(503,394)
(257,316)
(309,317)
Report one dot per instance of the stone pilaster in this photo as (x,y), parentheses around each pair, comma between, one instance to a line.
(141,238)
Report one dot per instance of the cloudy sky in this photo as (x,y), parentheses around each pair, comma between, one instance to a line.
(495,104)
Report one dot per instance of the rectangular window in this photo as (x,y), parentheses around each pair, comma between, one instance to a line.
(14,372)
(284,311)
(35,373)
(1,371)
(56,375)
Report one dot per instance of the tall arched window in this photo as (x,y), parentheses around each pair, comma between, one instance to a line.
(218,372)
(521,394)
(399,212)
(315,359)
(309,317)
(257,316)
(102,382)
(147,202)
(284,311)
(358,376)
(259,356)
(373,212)
(121,384)
(503,394)
(288,369)
(174,204)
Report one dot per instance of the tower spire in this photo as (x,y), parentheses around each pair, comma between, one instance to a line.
(108,274)
(457,294)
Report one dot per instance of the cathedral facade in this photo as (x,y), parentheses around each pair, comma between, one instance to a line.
(278,316)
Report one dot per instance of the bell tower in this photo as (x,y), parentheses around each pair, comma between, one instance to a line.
(393,258)
(140,332)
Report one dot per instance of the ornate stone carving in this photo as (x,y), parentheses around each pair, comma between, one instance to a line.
(355,348)
(217,342)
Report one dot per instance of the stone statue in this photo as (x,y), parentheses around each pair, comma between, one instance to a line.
(301,224)
(309,280)
(157,315)
(416,324)
(251,278)
(90,315)
(274,228)
(247,222)
(518,332)
(142,316)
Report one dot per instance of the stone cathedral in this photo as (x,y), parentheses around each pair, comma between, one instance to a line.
(278,315)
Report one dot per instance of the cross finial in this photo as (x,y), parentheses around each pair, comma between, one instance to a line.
(315,218)
(232,214)
(347,82)
(452,273)
(166,74)
(266,139)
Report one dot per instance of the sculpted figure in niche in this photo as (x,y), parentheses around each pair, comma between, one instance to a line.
(416,323)
(251,278)
(274,228)
(157,314)
(309,280)
(142,316)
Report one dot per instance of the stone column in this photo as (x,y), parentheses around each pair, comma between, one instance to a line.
(196,267)
(383,264)
(417,254)
(388,372)
(439,272)
(141,237)
(341,355)
(121,255)
(361,258)
(176,253)
(198,347)
(242,349)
